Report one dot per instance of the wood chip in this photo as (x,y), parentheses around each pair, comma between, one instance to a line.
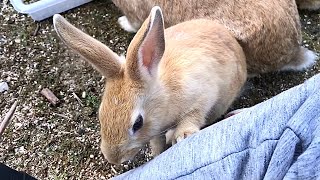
(5,122)
(50,96)
(77,98)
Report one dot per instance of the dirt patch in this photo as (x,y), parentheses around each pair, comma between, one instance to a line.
(62,142)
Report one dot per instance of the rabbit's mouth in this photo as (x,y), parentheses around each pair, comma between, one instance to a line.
(120,153)
(129,155)
(118,160)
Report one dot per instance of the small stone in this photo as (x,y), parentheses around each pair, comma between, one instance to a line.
(18,41)
(91,156)
(83,94)
(18,125)
(4,87)
(81,131)
(308,22)
(21,150)
(10,21)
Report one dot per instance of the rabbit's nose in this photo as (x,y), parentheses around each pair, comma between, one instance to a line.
(112,159)
(110,154)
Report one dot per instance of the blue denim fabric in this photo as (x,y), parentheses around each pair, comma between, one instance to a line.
(276,139)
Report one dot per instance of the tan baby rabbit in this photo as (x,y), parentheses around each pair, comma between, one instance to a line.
(268,30)
(308,4)
(171,78)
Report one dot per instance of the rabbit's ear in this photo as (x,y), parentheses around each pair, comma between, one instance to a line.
(97,54)
(147,47)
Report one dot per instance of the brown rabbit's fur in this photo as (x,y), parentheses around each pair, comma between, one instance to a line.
(172,78)
(268,30)
(308,4)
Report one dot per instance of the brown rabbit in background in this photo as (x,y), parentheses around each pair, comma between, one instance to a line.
(171,78)
(268,30)
(308,4)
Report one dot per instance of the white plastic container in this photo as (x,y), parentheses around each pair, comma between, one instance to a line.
(45,8)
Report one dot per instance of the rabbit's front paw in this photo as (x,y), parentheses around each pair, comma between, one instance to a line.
(126,25)
(234,112)
(158,145)
(182,133)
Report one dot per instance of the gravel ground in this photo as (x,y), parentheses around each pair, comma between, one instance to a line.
(62,141)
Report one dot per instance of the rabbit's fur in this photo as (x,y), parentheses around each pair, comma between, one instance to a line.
(268,30)
(173,78)
(308,4)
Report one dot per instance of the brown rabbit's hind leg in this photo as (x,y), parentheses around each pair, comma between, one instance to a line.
(305,59)
(128,26)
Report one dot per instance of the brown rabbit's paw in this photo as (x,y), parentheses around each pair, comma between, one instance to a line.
(126,25)
(169,136)
(234,112)
(158,145)
(181,134)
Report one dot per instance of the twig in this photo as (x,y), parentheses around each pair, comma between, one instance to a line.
(48,143)
(61,115)
(112,168)
(77,98)
(50,96)
(5,122)
(36,30)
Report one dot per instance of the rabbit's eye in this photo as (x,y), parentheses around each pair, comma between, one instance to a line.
(138,124)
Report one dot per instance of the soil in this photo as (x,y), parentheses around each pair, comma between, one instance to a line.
(62,141)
